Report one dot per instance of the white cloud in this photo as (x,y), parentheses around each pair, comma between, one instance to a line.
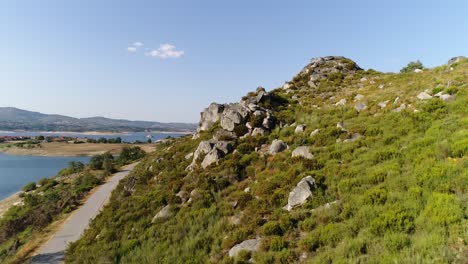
(131,49)
(137,44)
(166,51)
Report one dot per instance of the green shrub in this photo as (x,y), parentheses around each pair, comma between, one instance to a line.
(29,187)
(86,183)
(278,243)
(393,219)
(441,210)
(394,242)
(129,155)
(412,66)
(376,196)
(272,229)
(460,148)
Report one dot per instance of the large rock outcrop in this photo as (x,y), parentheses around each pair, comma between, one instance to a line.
(322,68)
(243,118)
(300,193)
(211,151)
(209,116)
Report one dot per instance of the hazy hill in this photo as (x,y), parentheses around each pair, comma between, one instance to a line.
(17,119)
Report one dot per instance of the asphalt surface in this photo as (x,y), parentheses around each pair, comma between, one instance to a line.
(54,250)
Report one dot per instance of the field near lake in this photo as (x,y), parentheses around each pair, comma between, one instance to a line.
(63,149)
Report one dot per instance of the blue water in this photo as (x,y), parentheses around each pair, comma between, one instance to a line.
(17,171)
(126,137)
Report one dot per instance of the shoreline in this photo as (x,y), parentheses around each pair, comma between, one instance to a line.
(9,201)
(94,133)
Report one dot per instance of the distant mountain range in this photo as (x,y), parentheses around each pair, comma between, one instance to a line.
(17,119)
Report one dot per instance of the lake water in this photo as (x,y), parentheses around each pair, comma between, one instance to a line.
(17,171)
(126,137)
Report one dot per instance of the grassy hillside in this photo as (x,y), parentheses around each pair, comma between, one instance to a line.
(395,192)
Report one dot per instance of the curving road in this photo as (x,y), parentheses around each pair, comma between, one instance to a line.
(54,250)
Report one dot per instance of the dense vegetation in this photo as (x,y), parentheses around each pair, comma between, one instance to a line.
(50,198)
(397,194)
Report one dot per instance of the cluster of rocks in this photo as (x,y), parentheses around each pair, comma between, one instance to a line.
(246,117)
(321,68)
(211,151)
(358,98)
(444,97)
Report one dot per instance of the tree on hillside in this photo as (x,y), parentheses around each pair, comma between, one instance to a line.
(413,65)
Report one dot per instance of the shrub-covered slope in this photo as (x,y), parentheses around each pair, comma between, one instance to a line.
(387,155)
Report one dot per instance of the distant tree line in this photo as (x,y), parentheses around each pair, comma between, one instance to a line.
(103,140)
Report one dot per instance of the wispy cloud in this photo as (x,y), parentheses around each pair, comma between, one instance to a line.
(166,51)
(137,44)
(131,49)
(134,47)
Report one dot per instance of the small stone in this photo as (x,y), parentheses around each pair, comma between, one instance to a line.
(418,70)
(341,126)
(300,129)
(315,132)
(161,214)
(277,146)
(358,97)
(302,152)
(359,107)
(341,102)
(247,245)
(424,96)
(400,108)
(381,86)
(354,137)
(258,131)
(383,104)
(447,97)
(188,156)
(300,193)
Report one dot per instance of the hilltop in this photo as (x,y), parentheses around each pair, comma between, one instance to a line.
(17,119)
(340,165)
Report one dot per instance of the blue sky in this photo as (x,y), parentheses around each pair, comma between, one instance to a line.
(72,57)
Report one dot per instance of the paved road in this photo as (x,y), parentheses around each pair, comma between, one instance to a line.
(54,250)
